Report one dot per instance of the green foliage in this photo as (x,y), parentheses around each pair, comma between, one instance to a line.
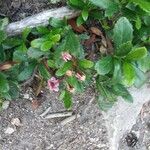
(55,54)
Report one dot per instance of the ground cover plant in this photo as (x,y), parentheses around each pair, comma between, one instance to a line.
(111,53)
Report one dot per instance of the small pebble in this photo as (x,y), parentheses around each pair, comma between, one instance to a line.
(16,122)
(26,96)
(9,130)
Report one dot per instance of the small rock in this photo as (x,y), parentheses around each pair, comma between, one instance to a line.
(16,122)
(26,96)
(9,130)
(5,105)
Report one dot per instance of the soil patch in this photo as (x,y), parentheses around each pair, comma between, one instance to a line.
(18,9)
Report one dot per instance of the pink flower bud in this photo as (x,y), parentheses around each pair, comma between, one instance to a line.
(66,56)
(69,73)
(53,84)
(80,76)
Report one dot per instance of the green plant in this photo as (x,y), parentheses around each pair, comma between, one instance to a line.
(55,53)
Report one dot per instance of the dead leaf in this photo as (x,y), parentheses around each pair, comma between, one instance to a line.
(76,28)
(35,104)
(103,49)
(7,65)
(96,31)
(90,41)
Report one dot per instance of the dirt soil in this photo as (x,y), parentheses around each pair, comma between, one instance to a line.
(87,132)
(18,9)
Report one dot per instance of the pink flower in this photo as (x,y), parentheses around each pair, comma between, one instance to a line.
(53,84)
(66,56)
(80,76)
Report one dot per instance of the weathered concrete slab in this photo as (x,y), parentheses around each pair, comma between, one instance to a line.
(123,115)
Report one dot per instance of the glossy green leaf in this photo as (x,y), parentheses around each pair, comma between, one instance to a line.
(64,68)
(128,74)
(27,72)
(37,42)
(43,71)
(144,4)
(86,63)
(141,78)
(144,64)
(104,65)
(46,46)
(25,33)
(137,54)
(57,23)
(124,49)
(67,100)
(110,6)
(85,14)
(34,53)
(4,86)
(123,32)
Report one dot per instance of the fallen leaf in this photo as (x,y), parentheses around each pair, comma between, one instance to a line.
(16,122)
(103,49)
(76,28)
(96,31)
(7,65)
(90,41)
(35,104)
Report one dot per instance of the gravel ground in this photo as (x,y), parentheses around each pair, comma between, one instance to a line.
(88,132)
(18,9)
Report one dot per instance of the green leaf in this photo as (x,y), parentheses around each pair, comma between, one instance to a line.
(104,65)
(63,69)
(123,32)
(2,36)
(147,20)
(25,33)
(110,6)
(46,46)
(141,78)
(117,75)
(55,38)
(4,86)
(137,54)
(67,100)
(144,4)
(14,89)
(80,21)
(120,90)
(42,30)
(128,74)
(3,23)
(37,42)
(43,71)
(51,63)
(57,23)
(85,14)
(35,53)
(138,23)
(144,64)
(27,72)
(86,63)
(72,43)
(19,56)
(124,49)
(104,104)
